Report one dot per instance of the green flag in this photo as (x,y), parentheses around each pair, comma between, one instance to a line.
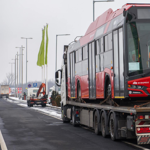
(39,54)
(43,48)
(46,44)
(40,60)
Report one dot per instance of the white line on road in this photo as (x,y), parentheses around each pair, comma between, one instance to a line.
(135,145)
(2,142)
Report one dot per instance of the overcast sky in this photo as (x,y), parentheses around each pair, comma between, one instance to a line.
(26,18)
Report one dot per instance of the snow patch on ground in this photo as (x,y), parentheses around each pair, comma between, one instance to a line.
(49,110)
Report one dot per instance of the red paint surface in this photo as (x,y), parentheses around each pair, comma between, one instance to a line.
(141,81)
(100,84)
(85,86)
(105,18)
(137,95)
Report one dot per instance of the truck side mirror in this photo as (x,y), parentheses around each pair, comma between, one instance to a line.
(58,77)
(65,58)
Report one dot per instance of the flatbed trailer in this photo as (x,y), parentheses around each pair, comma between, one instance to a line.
(119,121)
(105,75)
(127,121)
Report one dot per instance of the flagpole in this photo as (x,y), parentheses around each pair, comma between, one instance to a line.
(42,73)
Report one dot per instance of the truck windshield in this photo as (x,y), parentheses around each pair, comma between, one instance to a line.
(138,41)
(35,91)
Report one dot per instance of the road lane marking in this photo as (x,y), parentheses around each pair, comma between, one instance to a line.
(135,145)
(2,142)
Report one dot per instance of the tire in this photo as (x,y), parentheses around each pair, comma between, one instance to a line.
(108,92)
(108,89)
(73,117)
(112,127)
(43,105)
(96,129)
(64,119)
(29,105)
(103,125)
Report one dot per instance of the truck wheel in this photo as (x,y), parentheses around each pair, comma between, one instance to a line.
(96,130)
(43,105)
(64,119)
(28,104)
(73,117)
(103,125)
(112,127)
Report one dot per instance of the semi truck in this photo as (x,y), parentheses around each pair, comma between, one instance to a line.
(105,75)
(4,91)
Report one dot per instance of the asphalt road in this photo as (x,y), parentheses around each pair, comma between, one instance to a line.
(26,129)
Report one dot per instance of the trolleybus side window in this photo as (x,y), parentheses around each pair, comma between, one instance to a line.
(78,55)
(101,47)
(108,51)
(85,52)
(108,42)
(98,46)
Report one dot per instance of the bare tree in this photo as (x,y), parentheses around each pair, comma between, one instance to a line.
(9,80)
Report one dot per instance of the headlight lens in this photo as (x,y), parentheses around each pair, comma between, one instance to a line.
(134,86)
(139,87)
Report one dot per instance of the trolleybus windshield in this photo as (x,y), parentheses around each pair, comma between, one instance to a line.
(138,45)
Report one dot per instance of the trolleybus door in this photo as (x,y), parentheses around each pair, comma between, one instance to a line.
(72,74)
(91,71)
(118,63)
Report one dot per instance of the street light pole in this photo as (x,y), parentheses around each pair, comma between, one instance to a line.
(15,73)
(56,52)
(26,59)
(11,73)
(94,5)
(21,53)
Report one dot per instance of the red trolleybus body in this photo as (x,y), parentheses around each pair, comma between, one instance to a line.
(113,57)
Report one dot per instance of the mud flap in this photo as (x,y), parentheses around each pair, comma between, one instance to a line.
(143,139)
